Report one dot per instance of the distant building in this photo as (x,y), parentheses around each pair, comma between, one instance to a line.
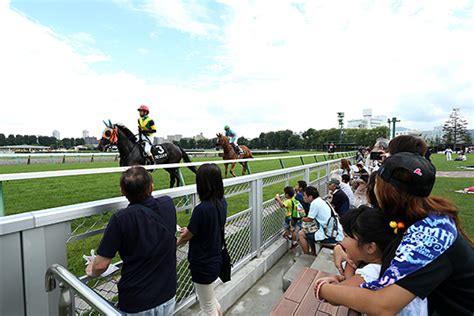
(158,140)
(435,135)
(199,137)
(56,134)
(406,131)
(174,138)
(85,134)
(91,141)
(368,120)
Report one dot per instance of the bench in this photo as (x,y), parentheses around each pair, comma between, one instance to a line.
(299,299)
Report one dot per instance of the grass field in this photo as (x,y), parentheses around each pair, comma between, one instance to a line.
(29,195)
(439,160)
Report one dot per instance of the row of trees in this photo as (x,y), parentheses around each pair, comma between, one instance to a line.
(310,139)
(50,141)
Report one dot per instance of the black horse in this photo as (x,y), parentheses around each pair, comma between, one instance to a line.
(132,153)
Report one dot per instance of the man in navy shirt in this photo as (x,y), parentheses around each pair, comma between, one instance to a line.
(144,236)
(339,200)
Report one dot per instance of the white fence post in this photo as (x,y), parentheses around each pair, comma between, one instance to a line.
(256,193)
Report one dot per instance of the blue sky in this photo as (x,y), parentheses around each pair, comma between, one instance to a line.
(256,65)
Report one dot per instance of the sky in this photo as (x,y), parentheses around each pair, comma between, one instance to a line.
(258,66)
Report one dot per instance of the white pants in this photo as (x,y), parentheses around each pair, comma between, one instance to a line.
(147,143)
(207,300)
(448,156)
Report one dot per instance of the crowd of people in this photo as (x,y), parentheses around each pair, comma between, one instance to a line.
(399,249)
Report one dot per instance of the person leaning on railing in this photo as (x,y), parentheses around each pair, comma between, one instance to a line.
(204,233)
(144,235)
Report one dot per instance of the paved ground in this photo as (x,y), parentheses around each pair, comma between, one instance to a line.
(455,174)
(265,294)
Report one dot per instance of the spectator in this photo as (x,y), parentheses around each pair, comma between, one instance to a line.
(374,160)
(299,189)
(360,190)
(291,225)
(367,233)
(339,199)
(319,213)
(448,152)
(431,255)
(407,143)
(461,157)
(204,232)
(346,166)
(370,191)
(144,235)
(346,188)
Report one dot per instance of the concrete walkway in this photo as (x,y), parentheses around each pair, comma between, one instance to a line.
(455,174)
(266,293)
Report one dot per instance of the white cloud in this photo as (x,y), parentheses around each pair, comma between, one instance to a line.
(188,16)
(280,65)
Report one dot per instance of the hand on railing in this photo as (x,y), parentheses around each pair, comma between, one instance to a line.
(68,282)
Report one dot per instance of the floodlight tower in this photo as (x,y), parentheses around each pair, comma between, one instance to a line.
(340,119)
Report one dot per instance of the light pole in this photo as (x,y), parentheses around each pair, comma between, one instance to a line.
(393,121)
(340,119)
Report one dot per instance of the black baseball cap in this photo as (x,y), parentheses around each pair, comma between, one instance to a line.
(418,178)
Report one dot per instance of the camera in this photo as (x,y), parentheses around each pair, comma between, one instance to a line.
(376,155)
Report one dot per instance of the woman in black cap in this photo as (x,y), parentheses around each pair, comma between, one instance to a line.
(430,257)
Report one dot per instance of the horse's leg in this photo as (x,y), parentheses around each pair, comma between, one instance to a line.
(172,177)
(225,166)
(232,169)
(244,168)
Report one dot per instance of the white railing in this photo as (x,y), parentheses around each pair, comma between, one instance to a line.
(31,242)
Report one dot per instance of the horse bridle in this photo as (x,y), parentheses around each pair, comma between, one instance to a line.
(111,135)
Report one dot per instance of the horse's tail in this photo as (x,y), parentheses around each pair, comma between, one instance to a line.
(187,159)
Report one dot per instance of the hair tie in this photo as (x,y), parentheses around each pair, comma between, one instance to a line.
(396,226)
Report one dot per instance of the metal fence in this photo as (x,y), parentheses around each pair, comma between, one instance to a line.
(36,240)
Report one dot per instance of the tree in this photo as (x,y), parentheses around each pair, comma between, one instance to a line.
(455,129)
(3,140)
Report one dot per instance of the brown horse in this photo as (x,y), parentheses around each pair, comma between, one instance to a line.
(229,154)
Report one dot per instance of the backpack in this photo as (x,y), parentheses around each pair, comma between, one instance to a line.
(332,226)
(298,210)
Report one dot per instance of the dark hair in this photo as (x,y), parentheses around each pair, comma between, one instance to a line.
(302,184)
(290,191)
(370,193)
(311,191)
(364,177)
(345,165)
(135,184)
(345,178)
(367,224)
(209,183)
(407,143)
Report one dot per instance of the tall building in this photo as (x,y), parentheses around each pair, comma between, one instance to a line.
(199,137)
(56,134)
(368,120)
(158,140)
(85,134)
(174,138)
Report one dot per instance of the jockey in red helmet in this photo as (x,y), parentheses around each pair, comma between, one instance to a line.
(146,128)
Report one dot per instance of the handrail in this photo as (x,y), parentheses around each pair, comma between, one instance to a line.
(69,281)
(77,172)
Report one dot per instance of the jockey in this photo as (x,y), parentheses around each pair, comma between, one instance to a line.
(146,129)
(232,139)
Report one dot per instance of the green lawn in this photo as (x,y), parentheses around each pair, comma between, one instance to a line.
(439,160)
(445,187)
(37,194)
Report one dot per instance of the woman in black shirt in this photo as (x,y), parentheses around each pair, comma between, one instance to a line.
(204,234)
